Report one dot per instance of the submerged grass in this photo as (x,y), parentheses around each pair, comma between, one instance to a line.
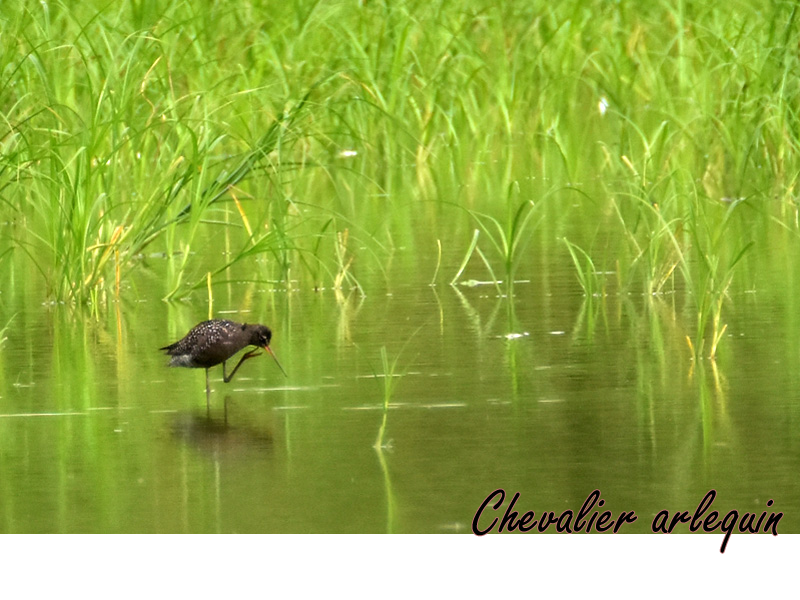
(309,145)
(508,240)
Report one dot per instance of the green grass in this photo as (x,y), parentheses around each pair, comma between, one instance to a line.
(311,143)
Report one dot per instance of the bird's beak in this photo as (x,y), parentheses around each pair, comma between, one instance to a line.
(268,349)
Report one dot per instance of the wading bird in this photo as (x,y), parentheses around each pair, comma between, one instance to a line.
(212,342)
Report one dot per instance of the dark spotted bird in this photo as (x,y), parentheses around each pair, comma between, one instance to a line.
(212,342)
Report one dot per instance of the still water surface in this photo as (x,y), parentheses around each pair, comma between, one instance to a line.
(551,396)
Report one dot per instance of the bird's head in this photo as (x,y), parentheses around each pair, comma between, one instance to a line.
(260,336)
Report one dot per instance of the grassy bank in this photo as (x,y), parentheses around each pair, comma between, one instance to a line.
(311,140)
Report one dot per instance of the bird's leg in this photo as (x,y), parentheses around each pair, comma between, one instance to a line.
(208,393)
(227,378)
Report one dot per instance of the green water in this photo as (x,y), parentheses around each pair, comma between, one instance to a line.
(551,395)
